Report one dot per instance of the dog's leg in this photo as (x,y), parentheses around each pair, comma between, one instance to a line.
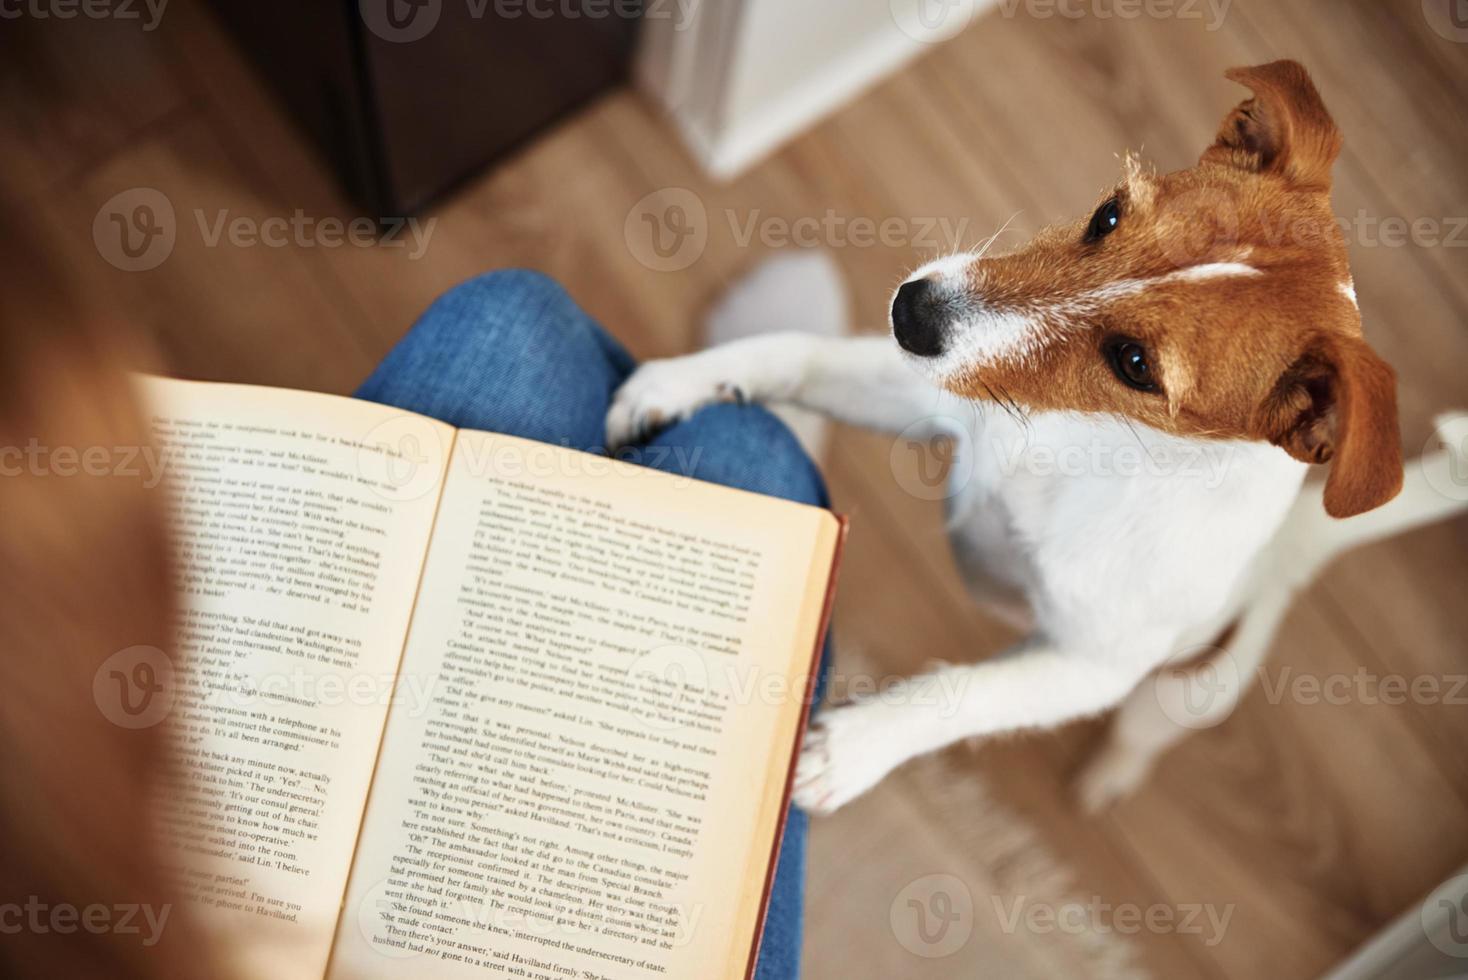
(851,747)
(1178,700)
(858,380)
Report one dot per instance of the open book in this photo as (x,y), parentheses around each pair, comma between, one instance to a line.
(458,704)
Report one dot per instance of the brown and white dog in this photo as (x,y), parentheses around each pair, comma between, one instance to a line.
(1201,324)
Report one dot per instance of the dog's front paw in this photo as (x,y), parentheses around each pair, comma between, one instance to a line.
(663,392)
(844,755)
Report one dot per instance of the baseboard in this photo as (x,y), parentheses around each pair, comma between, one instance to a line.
(1429,940)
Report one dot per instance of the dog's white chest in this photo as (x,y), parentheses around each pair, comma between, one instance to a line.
(1086,516)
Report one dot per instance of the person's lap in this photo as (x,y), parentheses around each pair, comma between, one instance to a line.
(511,352)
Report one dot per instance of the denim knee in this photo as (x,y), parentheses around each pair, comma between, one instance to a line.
(747,446)
(528,283)
(486,301)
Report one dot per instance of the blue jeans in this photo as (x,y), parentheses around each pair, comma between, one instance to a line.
(511,352)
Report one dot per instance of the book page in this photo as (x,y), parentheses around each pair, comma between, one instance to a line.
(300,523)
(619,661)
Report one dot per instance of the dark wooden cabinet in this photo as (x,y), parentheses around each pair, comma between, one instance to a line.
(407,98)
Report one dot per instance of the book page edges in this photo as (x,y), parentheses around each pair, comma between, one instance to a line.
(831,541)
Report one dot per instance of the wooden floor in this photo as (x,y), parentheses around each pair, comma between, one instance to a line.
(1318,823)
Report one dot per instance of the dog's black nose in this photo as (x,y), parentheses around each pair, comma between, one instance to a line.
(918,318)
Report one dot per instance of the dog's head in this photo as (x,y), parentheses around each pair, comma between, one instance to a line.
(1215,302)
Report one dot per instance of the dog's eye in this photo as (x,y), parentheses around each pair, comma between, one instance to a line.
(1130,363)
(1104,221)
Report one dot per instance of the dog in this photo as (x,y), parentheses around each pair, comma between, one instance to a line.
(1206,317)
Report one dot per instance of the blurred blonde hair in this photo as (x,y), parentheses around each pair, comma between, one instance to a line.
(84,573)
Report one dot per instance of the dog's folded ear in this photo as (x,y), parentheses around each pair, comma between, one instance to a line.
(1337,403)
(1284,129)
